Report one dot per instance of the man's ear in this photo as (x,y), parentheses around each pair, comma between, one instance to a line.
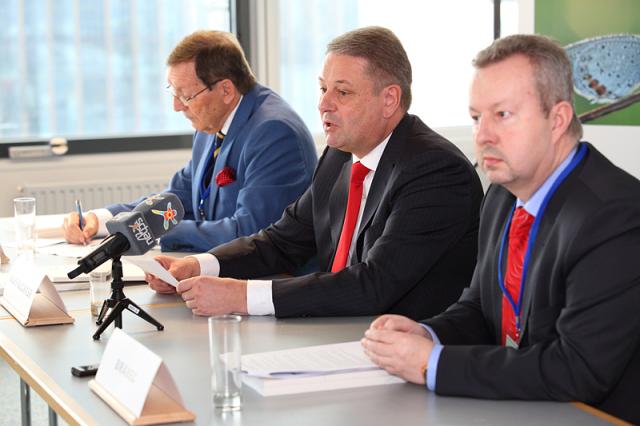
(228,90)
(392,96)
(561,115)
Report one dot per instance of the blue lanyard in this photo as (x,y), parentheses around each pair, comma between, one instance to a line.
(533,232)
(203,197)
(206,191)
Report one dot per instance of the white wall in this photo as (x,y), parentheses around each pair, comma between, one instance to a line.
(620,144)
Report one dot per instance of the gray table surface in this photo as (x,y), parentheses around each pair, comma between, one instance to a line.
(183,346)
(45,355)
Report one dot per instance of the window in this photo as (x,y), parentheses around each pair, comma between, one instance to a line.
(440,37)
(85,69)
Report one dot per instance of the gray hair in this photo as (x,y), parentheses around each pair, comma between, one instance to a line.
(387,60)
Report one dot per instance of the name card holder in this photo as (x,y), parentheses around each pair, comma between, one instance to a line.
(137,385)
(31,298)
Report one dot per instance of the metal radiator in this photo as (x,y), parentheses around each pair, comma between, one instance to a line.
(59,197)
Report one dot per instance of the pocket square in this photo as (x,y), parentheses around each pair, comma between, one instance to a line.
(226,176)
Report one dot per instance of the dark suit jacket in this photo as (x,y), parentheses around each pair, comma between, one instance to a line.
(416,245)
(581,303)
(273,156)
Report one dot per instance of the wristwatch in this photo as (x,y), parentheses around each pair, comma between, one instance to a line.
(423,371)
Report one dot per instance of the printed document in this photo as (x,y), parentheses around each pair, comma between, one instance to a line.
(308,361)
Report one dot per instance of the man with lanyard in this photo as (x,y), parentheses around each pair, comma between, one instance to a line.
(552,312)
(252,154)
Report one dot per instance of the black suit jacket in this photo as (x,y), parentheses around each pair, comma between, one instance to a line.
(581,303)
(416,245)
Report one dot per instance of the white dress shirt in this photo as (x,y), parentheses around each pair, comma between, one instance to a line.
(259,294)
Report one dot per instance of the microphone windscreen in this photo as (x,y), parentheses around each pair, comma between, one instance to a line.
(150,220)
(162,212)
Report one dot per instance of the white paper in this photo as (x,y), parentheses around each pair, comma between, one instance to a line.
(70,250)
(127,370)
(58,274)
(308,361)
(50,225)
(272,387)
(40,242)
(152,266)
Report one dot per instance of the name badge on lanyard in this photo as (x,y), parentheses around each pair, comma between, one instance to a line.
(510,343)
(513,341)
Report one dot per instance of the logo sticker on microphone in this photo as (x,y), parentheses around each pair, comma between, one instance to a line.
(150,200)
(169,215)
(141,231)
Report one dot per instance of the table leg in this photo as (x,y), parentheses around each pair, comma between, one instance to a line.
(53,417)
(25,403)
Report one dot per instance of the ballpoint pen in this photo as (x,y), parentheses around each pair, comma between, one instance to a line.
(79,210)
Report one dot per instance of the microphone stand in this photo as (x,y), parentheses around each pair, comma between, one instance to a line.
(118,302)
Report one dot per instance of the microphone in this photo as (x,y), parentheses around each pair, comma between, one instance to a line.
(134,233)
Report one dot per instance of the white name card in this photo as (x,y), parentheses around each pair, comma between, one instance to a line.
(137,384)
(30,296)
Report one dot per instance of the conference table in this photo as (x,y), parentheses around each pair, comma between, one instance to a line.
(43,356)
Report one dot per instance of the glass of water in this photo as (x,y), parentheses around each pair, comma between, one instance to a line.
(224,351)
(25,224)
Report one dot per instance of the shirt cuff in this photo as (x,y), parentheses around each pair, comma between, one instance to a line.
(433,334)
(209,264)
(103,216)
(432,366)
(432,363)
(259,298)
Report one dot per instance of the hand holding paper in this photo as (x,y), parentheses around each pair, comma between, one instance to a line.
(179,268)
(151,266)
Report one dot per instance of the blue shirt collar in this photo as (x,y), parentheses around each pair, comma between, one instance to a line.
(533,205)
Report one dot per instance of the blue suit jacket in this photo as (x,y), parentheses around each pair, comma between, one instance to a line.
(273,156)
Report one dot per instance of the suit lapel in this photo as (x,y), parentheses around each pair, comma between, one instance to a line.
(245,109)
(221,162)
(497,308)
(501,220)
(532,281)
(338,202)
(392,153)
(376,192)
(201,168)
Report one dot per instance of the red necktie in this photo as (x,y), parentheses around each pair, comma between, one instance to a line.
(518,238)
(358,173)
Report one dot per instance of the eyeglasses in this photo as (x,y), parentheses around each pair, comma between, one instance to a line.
(186,99)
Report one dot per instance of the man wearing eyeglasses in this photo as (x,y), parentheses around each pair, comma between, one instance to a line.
(252,154)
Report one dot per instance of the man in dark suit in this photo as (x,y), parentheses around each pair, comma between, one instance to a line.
(552,312)
(391,215)
(252,155)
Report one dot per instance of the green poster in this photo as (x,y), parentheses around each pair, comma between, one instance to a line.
(569,21)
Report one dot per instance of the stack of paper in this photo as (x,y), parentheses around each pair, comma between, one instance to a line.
(63,249)
(50,226)
(58,276)
(312,369)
